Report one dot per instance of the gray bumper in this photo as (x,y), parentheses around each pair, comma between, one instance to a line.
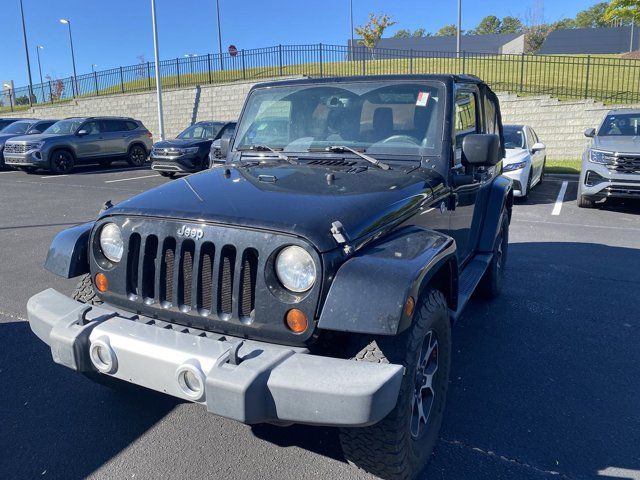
(268,383)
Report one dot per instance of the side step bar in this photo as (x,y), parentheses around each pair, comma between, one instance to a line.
(469,280)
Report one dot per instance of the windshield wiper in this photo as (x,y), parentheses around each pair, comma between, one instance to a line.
(266,148)
(342,149)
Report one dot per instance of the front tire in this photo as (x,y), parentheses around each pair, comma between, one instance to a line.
(491,282)
(137,156)
(168,174)
(399,446)
(62,162)
(525,195)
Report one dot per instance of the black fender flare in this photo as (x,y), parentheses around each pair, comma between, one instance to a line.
(369,291)
(500,200)
(68,253)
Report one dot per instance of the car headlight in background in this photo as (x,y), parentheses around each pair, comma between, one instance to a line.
(295,269)
(514,166)
(603,158)
(185,151)
(111,242)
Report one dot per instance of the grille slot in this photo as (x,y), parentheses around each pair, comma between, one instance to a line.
(132,264)
(149,266)
(185,273)
(225,282)
(166,270)
(625,165)
(205,281)
(248,282)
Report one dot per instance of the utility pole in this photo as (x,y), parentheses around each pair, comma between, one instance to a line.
(38,48)
(633,24)
(351,17)
(73,56)
(157,68)
(459,32)
(26,51)
(219,35)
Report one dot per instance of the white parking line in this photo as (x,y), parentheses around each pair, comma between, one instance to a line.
(133,178)
(54,176)
(558,205)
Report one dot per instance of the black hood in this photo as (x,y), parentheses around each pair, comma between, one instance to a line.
(182,143)
(294,199)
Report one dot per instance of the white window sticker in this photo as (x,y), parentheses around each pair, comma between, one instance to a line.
(423,99)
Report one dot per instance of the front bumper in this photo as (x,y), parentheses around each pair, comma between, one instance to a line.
(32,158)
(248,381)
(187,163)
(519,178)
(598,182)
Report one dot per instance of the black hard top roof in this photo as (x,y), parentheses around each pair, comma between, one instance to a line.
(445,78)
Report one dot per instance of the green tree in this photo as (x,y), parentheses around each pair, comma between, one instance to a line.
(564,23)
(403,33)
(625,10)
(420,32)
(372,31)
(447,31)
(511,25)
(488,25)
(592,17)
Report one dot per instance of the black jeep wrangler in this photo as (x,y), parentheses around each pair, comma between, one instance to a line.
(315,276)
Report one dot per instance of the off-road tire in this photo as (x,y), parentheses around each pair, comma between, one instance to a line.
(62,162)
(491,283)
(137,155)
(168,174)
(85,292)
(388,449)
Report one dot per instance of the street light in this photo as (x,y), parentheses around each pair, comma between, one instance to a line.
(26,51)
(157,69)
(74,84)
(351,18)
(93,67)
(219,35)
(38,48)
(459,32)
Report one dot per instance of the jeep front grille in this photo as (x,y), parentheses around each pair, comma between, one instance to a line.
(625,164)
(194,277)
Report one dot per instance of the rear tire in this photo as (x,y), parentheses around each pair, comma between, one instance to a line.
(491,282)
(137,156)
(400,445)
(62,162)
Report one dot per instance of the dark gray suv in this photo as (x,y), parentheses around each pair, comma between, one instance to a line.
(79,140)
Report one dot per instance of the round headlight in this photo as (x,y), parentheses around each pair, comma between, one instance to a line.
(295,269)
(111,242)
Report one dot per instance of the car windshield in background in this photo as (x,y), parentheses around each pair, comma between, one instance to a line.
(17,128)
(625,124)
(396,118)
(513,137)
(64,127)
(203,132)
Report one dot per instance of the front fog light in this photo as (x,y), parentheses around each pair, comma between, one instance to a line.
(295,269)
(111,242)
(191,380)
(102,356)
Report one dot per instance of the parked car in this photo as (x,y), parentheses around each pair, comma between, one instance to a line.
(189,151)
(21,127)
(4,122)
(78,140)
(611,162)
(215,153)
(525,159)
(306,281)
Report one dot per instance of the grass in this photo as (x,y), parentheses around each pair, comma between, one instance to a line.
(563,166)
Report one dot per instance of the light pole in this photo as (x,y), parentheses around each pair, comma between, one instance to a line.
(26,51)
(74,84)
(157,69)
(633,24)
(219,35)
(351,19)
(38,48)
(459,32)
(93,67)
(8,87)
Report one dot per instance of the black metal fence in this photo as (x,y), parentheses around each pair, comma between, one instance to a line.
(609,79)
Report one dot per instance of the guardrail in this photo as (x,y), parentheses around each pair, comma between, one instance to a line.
(607,79)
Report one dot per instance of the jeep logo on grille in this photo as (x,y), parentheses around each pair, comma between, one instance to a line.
(190,232)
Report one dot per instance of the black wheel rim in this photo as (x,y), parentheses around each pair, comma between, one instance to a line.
(62,162)
(137,156)
(424,391)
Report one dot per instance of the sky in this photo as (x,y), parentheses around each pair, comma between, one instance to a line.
(116,32)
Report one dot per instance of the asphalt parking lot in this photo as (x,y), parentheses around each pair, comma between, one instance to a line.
(545,383)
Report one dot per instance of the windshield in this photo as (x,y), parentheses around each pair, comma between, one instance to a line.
(64,127)
(513,137)
(18,128)
(4,123)
(202,132)
(625,124)
(392,117)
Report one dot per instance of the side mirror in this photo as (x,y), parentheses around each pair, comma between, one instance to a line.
(225,142)
(538,147)
(481,149)
(82,132)
(590,132)
(34,132)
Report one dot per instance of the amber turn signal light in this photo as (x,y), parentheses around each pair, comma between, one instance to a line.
(409,306)
(296,320)
(102,284)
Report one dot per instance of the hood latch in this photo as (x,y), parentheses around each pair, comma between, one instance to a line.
(341,237)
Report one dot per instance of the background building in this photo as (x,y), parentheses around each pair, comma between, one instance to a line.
(591,41)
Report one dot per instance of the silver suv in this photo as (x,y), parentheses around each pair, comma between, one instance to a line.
(611,163)
(77,140)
